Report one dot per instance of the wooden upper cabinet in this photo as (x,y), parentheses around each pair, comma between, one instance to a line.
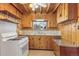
(26,21)
(78,12)
(10,10)
(66,12)
(51,18)
(58,14)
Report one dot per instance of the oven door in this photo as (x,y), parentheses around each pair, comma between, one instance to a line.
(24,48)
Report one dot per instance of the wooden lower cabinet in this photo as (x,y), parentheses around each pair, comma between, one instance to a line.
(36,41)
(40,42)
(69,51)
(56,48)
(31,42)
(43,43)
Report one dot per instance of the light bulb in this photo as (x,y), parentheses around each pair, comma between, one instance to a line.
(36,6)
(31,5)
(33,9)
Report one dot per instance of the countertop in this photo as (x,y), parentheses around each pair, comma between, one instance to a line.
(42,32)
(49,33)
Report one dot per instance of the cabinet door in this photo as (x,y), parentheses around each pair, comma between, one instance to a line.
(43,42)
(31,42)
(78,12)
(36,42)
(40,42)
(72,11)
(49,43)
(56,48)
(51,19)
(65,11)
(26,22)
(58,14)
(46,42)
(62,12)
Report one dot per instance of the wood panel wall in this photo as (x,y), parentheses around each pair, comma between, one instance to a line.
(68,31)
(27,19)
(69,28)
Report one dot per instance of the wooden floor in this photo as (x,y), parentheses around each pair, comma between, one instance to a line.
(40,53)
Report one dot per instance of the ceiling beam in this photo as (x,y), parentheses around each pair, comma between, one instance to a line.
(17,7)
(57,5)
(41,9)
(48,8)
(26,8)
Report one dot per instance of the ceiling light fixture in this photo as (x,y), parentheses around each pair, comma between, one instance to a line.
(37,5)
(31,5)
(33,9)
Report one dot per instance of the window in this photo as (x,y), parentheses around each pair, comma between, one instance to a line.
(39,24)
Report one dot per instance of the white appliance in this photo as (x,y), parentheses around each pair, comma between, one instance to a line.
(12,45)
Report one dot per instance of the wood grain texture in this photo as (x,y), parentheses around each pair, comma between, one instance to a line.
(68,33)
(69,51)
(10,9)
(28,19)
(66,12)
(40,42)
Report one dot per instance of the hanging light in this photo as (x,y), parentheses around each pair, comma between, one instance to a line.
(33,9)
(37,5)
(31,5)
(42,5)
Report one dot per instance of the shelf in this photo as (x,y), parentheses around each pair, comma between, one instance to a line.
(4,17)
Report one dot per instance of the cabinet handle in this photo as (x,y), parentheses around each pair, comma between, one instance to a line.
(60,15)
(39,38)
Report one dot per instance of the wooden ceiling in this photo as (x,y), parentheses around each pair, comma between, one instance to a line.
(25,9)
